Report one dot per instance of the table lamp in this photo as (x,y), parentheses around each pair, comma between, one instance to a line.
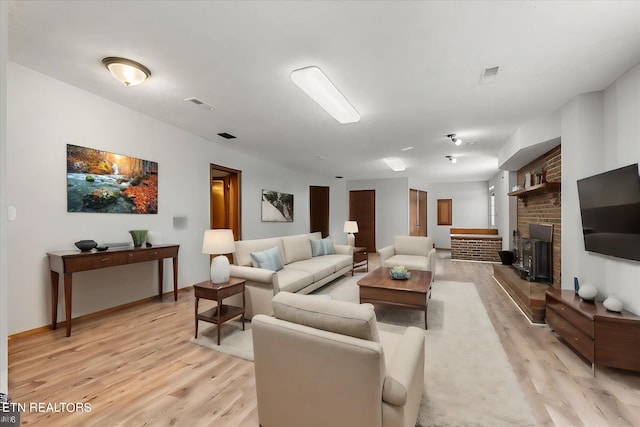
(351,227)
(219,242)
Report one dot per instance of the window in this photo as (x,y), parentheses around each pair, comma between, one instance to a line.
(445,211)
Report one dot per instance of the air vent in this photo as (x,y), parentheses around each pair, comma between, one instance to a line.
(199,103)
(226,135)
(489,75)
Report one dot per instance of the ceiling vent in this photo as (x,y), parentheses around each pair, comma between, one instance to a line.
(198,103)
(489,75)
(226,135)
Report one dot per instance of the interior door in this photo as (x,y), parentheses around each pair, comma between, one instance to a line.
(362,208)
(319,209)
(417,213)
(224,196)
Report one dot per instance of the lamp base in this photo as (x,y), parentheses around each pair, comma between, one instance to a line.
(220,270)
(351,239)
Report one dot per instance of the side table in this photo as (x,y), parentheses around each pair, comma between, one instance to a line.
(218,292)
(360,258)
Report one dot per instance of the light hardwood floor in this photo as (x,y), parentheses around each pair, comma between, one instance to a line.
(137,367)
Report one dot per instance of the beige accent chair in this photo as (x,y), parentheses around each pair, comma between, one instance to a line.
(414,252)
(322,362)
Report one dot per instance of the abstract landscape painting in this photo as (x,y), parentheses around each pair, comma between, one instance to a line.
(99,181)
(277,207)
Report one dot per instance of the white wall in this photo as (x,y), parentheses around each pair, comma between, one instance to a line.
(392,206)
(44,115)
(4,276)
(470,207)
(506,206)
(600,132)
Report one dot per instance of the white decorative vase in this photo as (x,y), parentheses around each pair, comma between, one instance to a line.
(587,292)
(613,304)
(220,270)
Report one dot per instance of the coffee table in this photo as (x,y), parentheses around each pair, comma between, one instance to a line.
(378,287)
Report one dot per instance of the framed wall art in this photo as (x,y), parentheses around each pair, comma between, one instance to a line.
(104,182)
(276,206)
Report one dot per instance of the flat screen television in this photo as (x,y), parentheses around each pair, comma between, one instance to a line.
(610,210)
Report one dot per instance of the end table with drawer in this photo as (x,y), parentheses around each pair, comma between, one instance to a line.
(360,258)
(218,292)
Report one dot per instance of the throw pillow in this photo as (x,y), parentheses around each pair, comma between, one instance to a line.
(327,244)
(269,259)
(317,248)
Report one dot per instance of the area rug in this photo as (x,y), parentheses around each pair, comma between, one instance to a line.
(468,378)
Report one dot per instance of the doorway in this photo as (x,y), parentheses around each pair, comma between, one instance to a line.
(417,213)
(362,208)
(224,195)
(319,209)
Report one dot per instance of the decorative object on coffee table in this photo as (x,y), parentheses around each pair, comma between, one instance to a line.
(85,245)
(219,242)
(400,272)
(138,236)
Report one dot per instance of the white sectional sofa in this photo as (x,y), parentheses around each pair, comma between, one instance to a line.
(301,272)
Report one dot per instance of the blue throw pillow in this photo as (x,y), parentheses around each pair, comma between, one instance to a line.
(327,244)
(269,259)
(317,248)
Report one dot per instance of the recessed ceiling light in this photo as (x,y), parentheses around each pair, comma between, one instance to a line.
(407,148)
(129,72)
(316,84)
(451,159)
(395,163)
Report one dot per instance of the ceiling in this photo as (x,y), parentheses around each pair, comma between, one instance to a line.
(412,70)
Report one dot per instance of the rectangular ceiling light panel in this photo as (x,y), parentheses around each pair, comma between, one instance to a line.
(316,84)
(395,163)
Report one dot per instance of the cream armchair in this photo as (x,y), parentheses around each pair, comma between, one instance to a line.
(321,363)
(414,252)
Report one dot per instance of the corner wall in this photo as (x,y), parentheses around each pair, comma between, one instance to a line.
(600,132)
(544,208)
(4,276)
(43,115)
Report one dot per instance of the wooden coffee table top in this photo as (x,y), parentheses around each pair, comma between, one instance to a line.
(420,281)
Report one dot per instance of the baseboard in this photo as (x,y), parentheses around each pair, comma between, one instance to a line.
(62,324)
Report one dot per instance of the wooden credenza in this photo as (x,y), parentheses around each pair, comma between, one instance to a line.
(68,262)
(601,336)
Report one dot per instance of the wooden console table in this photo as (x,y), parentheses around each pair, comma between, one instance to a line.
(68,262)
(601,336)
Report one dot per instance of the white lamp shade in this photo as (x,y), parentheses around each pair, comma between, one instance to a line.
(218,242)
(350,226)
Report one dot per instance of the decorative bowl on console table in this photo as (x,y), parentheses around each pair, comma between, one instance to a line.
(85,245)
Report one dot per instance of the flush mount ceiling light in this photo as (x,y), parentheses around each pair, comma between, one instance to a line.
(316,84)
(451,159)
(394,163)
(454,139)
(129,72)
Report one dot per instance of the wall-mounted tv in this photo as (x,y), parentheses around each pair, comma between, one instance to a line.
(610,209)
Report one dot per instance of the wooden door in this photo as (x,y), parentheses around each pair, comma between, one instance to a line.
(445,212)
(362,208)
(319,209)
(224,196)
(417,213)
